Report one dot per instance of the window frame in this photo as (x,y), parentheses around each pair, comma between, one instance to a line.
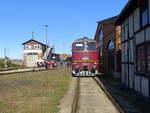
(74,47)
(28,46)
(91,49)
(146,71)
(138,50)
(144,7)
(148,46)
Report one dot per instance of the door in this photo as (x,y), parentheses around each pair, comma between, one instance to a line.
(31,59)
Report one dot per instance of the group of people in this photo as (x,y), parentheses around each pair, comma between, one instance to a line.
(54,64)
(65,64)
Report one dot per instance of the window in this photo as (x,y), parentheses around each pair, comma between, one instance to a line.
(29,53)
(79,46)
(144,13)
(37,47)
(91,46)
(27,46)
(111,45)
(111,56)
(141,58)
(32,53)
(101,37)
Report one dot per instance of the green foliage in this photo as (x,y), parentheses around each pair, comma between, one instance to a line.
(5,62)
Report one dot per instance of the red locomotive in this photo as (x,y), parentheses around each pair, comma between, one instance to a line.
(85,57)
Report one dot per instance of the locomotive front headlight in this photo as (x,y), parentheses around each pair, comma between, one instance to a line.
(76,66)
(94,67)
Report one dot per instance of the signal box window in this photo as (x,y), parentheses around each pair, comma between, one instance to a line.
(79,46)
(91,46)
(32,53)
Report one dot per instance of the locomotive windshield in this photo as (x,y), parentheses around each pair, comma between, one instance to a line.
(79,46)
(91,46)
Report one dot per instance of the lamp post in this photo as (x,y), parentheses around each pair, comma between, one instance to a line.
(46,26)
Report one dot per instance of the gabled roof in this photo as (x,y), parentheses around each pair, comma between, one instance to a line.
(127,10)
(84,39)
(111,18)
(34,41)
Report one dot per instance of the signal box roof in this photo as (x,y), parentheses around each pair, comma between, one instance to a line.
(84,39)
(33,41)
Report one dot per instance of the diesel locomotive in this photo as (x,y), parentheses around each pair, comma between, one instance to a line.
(85,57)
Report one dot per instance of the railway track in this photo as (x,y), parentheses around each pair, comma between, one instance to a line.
(76,97)
(21,71)
(80,96)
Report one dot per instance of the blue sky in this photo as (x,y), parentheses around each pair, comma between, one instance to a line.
(67,20)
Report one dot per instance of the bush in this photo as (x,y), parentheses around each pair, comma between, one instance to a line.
(5,62)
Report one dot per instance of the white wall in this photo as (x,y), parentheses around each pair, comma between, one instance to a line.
(145,86)
(136,20)
(131,25)
(140,37)
(148,33)
(137,83)
(131,75)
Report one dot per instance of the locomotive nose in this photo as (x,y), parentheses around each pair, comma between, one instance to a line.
(85,68)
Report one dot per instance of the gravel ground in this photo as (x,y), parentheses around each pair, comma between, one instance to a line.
(92,99)
(66,103)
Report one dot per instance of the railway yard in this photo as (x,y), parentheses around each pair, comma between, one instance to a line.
(37,90)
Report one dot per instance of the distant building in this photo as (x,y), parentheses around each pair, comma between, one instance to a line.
(33,50)
(16,61)
(109,38)
(64,56)
(135,26)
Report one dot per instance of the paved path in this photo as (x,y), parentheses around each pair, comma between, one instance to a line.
(92,99)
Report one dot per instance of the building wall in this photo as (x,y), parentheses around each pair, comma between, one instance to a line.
(32,47)
(133,35)
(110,32)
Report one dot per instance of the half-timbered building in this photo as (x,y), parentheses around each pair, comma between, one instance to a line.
(135,26)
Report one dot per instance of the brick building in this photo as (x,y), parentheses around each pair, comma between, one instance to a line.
(108,36)
(33,50)
(135,26)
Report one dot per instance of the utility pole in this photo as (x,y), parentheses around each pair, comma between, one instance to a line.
(32,35)
(63,47)
(46,26)
(5,52)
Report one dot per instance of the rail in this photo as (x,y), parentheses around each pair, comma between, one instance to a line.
(21,71)
(76,97)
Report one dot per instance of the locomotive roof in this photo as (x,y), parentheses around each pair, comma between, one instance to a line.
(85,39)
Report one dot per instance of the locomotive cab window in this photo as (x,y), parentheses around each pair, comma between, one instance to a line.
(79,46)
(91,46)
